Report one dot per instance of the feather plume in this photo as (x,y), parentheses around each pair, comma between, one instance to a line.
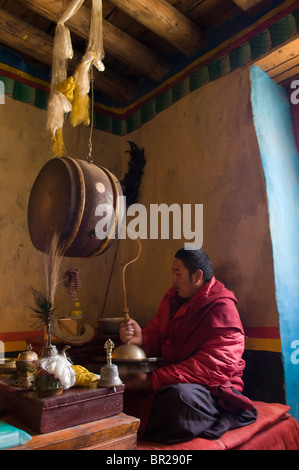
(44,300)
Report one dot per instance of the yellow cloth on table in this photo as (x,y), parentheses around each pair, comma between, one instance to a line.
(84,378)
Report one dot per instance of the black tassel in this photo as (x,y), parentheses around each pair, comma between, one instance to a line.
(132,179)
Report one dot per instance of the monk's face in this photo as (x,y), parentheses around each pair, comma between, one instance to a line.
(186,285)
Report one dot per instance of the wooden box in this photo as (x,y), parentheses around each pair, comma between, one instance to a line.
(118,432)
(74,407)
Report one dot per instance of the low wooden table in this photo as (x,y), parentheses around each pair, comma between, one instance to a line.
(118,432)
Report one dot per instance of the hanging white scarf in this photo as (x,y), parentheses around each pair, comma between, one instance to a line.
(71,94)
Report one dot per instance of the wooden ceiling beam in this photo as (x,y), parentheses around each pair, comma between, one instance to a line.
(166,21)
(27,39)
(116,42)
(247,5)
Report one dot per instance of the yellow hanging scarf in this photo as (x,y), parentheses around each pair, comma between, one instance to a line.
(71,94)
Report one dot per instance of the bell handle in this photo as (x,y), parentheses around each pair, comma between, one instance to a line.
(109,345)
(126,310)
(126,319)
(126,315)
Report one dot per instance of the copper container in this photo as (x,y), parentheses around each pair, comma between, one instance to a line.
(64,198)
(128,352)
(26,361)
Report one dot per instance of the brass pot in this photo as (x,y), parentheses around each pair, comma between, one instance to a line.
(128,351)
(26,361)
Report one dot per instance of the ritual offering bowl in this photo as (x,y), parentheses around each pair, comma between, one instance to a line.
(7,365)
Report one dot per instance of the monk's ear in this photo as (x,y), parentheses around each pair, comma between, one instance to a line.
(198,277)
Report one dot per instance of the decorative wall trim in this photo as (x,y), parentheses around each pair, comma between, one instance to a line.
(15,341)
(256,338)
(263,339)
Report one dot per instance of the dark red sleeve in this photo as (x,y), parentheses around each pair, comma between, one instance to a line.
(151,335)
(217,361)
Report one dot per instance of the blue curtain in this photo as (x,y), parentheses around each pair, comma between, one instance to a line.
(280,161)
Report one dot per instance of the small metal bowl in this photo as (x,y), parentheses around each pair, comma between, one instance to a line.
(110,326)
(8,365)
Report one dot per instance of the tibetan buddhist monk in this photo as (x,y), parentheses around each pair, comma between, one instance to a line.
(197,331)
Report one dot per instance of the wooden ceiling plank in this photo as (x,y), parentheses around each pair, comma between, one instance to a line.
(116,42)
(24,38)
(29,40)
(279,55)
(107,8)
(284,66)
(282,63)
(131,52)
(247,5)
(292,72)
(210,13)
(166,21)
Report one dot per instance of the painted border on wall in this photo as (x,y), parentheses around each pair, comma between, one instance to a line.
(256,338)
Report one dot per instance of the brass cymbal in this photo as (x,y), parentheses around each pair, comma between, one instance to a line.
(128,351)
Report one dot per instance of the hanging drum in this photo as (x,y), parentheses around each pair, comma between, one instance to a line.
(64,199)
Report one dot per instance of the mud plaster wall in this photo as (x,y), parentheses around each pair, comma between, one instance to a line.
(25,148)
(201,150)
(204,150)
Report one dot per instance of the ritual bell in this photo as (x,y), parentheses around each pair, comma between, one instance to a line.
(109,372)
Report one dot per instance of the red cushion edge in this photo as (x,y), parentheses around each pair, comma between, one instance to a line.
(281,435)
(268,414)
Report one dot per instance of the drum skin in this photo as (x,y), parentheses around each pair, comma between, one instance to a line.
(64,198)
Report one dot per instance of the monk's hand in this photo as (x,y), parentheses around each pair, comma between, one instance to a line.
(130,332)
(137,382)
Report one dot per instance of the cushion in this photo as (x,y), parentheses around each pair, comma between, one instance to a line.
(282,435)
(268,414)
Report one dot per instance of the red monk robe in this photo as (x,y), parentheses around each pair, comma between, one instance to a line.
(201,341)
